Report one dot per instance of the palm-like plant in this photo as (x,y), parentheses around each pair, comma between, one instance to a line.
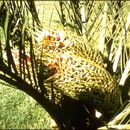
(23,60)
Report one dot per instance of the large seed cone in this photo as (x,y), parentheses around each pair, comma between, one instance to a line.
(79,72)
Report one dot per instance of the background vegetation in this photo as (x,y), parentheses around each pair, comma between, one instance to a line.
(19,111)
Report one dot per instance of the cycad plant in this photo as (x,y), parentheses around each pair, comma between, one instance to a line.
(65,73)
